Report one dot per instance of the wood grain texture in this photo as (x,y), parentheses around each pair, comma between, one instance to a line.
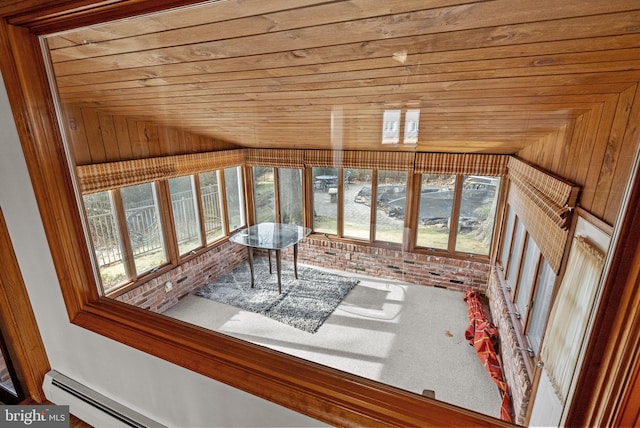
(533,78)
(258,75)
(19,326)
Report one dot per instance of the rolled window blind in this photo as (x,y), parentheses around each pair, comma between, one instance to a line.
(105,176)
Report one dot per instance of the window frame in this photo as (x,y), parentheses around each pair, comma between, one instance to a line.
(451,251)
(325,394)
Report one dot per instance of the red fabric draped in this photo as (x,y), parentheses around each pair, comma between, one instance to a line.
(483,336)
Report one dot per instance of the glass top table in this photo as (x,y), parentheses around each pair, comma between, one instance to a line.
(272,236)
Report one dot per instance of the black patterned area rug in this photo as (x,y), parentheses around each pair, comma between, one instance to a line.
(305,303)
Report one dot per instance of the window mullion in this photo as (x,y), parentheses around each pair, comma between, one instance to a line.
(166,216)
(276,194)
(340,202)
(222,194)
(374,203)
(532,293)
(455,213)
(197,194)
(121,220)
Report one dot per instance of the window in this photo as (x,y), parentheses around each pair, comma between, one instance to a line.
(235,198)
(144,226)
(540,304)
(277,195)
(357,203)
(290,196)
(325,200)
(105,236)
(130,238)
(527,277)
(516,254)
(477,214)
(211,206)
(434,214)
(471,201)
(391,200)
(264,195)
(186,218)
(507,237)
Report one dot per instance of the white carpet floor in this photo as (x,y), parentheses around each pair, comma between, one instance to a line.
(408,336)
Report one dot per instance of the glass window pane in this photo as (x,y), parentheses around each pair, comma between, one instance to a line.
(391,199)
(264,194)
(144,226)
(436,202)
(477,214)
(105,237)
(290,193)
(211,206)
(186,217)
(325,200)
(525,282)
(516,254)
(357,203)
(542,301)
(235,197)
(507,237)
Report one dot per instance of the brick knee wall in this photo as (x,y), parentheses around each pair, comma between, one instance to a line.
(420,269)
(185,278)
(513,365)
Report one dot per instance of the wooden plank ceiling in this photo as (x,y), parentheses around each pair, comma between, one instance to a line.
(488,76)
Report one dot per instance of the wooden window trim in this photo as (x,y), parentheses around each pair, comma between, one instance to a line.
(325,394)
(322,393)
(19,326)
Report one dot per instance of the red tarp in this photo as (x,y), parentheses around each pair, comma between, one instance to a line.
(483,336)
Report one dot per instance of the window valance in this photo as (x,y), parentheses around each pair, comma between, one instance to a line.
(104,176)
(560,192)
(461,163)
(395,161)
(549,237)
(280,158)
(543,203)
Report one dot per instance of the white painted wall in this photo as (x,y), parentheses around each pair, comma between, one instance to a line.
(163,391)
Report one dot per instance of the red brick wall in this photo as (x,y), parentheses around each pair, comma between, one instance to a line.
(418,269)
(513,365)
(185,278)
(421,269)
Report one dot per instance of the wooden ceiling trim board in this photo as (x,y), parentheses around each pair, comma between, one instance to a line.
(455,18)
(319,13)
(348,57)
(543,76)
(178,18)
(601,25)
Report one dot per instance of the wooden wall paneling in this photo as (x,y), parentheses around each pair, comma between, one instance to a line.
(122,137)
(109,139)
(568,152)
(18,322)
(139,148)
(165,141)
(148,134)
(580,155)
(613,157)
(630,109)
(94,135)
(554,151)
(77,136)
(589,183)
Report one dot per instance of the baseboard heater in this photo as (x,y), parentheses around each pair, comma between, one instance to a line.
(91,406)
